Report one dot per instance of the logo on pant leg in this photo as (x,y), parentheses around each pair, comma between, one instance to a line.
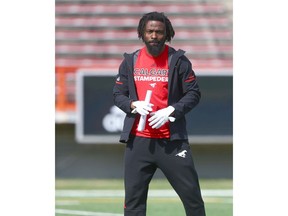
(182,154)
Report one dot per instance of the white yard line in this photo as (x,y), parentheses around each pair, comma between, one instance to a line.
(151,193)
(84,213)
(120,193)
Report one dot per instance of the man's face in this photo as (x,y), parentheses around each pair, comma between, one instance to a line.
(154,37)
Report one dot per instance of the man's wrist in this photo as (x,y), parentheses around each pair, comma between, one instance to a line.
(171,110)
(132,105)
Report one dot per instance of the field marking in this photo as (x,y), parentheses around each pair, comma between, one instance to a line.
(67,202)
(84,213)
(151,193)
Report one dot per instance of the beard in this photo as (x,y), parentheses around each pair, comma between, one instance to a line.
(155,50)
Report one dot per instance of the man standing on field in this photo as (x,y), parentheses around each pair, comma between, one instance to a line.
(156,86)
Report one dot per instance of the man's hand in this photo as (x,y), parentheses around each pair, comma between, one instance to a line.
(141,107)
(160,117)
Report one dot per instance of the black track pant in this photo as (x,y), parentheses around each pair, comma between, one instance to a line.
(143,156)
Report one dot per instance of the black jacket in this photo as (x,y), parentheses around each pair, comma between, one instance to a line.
(183,90)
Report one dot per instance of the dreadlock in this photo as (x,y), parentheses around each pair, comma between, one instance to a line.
(156,16)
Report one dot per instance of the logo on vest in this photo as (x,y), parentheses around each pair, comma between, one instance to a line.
(153,85)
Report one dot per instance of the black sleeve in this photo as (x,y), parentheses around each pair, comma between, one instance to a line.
(190,90)
(121,89)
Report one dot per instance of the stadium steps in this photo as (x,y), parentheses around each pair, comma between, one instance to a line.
(130,36)
(95,31)
(97,9)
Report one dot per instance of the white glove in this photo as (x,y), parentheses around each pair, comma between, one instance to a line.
(161,116)
(141,107)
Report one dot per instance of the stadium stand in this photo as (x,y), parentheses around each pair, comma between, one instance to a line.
(96,33)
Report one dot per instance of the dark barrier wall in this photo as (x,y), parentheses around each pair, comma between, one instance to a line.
(213,115)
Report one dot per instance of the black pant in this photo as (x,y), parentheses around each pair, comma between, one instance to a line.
(143,156)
